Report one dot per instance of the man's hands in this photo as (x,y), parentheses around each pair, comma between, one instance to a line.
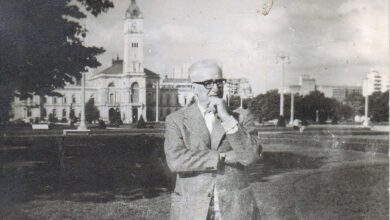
(218,106)
(229,157)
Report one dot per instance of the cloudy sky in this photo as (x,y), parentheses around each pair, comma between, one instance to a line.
(336,41)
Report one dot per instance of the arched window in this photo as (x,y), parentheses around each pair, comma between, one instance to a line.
(111,84)
(135,93)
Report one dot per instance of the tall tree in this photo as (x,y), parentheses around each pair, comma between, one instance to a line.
(41,45)
(356,101)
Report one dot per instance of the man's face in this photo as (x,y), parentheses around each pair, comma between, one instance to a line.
(207,82)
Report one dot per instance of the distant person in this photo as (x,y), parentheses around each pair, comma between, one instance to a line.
(209,150)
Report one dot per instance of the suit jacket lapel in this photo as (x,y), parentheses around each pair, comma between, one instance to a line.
(217,134)
(194,122)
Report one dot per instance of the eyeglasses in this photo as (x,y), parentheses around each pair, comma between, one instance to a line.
(208,84)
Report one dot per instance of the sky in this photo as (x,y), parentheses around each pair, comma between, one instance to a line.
(335,41)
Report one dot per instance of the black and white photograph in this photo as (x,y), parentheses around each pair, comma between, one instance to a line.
(194,109)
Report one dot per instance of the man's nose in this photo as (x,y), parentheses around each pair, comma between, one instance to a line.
(215,87)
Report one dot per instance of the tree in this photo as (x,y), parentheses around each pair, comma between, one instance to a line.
(235,102)
(356,101)
(41,45)
(72,116)
(266,106)
(379,106)
(91,111)
(141,122)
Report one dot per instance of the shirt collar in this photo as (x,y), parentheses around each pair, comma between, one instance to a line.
(202,110)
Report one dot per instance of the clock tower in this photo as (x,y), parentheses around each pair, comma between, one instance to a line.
(133,58)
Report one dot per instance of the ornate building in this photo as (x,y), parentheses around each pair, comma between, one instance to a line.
(126,87)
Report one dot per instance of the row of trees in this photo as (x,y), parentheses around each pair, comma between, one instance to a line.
(266,106)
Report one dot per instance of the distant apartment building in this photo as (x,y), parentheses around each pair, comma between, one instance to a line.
(375,82)
(238,87)
(340,93)
(308,84)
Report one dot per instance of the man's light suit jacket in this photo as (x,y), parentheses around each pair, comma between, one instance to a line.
(193,154)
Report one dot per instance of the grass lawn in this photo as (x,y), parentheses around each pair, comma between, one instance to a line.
(123,177)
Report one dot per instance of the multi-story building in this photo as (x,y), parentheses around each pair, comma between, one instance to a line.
(340,93)
(375,82)
(238,87)
(307,84)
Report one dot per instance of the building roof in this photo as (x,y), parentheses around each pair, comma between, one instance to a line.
(117,68)
(176,80)
(133,11)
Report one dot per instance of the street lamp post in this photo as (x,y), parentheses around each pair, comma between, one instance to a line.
(157,98)
(365,84)
(283,58)
(292,108)
(82,126)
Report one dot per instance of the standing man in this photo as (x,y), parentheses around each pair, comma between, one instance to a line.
(209,150)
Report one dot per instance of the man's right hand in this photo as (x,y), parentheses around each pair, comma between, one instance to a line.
(231,157)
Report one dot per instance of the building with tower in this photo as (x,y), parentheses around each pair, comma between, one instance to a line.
(126,88)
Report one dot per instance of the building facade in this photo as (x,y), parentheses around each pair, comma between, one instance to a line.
(125,88)
(238,87)
(375,82)
(308,84)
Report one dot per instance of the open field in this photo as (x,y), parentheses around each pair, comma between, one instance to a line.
(121,175)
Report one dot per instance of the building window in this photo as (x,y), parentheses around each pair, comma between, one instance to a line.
(168,99)
(73,99)
(54,100)
(44,112)
(64,113)
(134,45)
(64,100)
(28,112)
(111,98)
(44,100)
(54,113)
(135,93)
